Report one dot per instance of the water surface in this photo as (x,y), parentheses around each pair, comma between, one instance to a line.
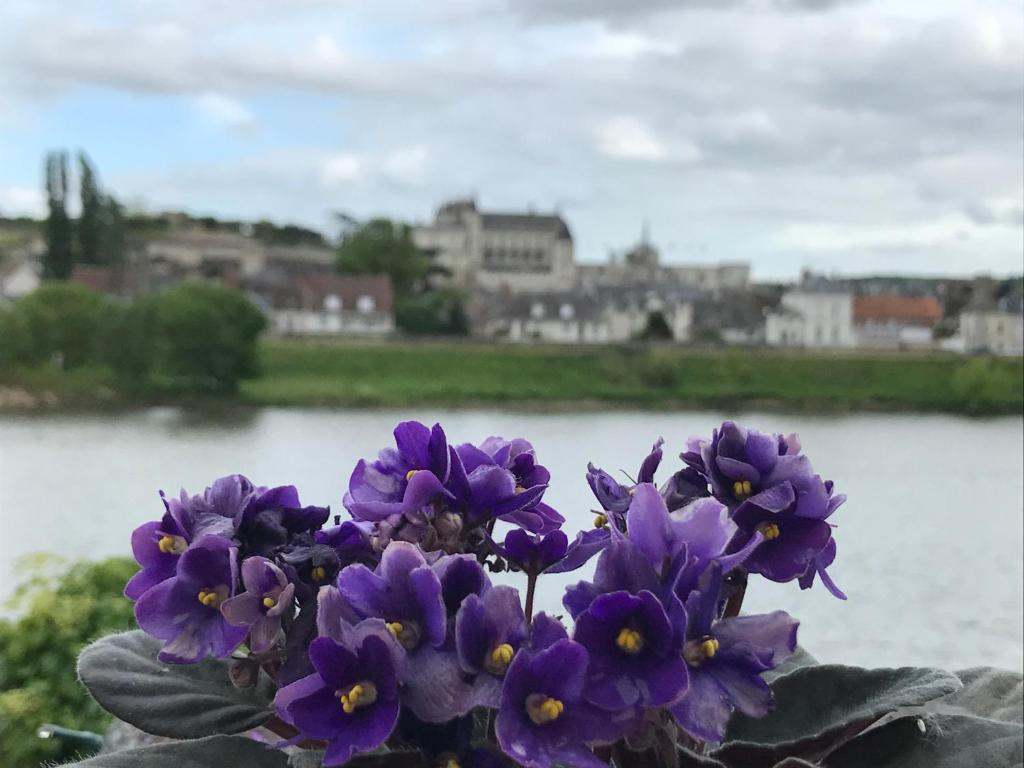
(930,541)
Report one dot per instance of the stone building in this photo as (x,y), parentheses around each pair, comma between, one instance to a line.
(642,266)
(813,316)
(516,252)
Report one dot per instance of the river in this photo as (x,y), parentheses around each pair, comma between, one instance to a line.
(930,541)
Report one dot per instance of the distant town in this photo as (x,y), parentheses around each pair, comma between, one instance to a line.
(516,279)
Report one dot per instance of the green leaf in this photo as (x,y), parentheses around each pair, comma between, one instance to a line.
(799,658)
(819,708)
(211,752)
(126,678)
(814,699)
(935,741)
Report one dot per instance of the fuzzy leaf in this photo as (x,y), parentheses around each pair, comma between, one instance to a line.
(125,677)
(211,752)
(814,699)
(820,708)
(935,741)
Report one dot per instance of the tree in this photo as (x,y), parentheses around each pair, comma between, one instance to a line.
(39,644)
(384,247)
(204,337)
(434,313)
(63,318)
(90,223)
(59,258)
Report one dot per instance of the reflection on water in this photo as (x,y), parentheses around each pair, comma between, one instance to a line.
(929,542)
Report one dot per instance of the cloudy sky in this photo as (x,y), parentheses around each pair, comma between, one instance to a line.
(843,135)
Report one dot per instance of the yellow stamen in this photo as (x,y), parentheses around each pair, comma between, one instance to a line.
(499,659)
(210,598)
(600,520)
(519,489)
(172,545)
(709,647)
(319,573)
(409,474)
(630,640)
(447,760)
(769,531)
(543,709)
(632,491)
(395,628)
(269,602)
(359,695)
(742,489)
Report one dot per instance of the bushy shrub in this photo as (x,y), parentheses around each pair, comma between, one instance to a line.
(982,385)
(62,318)
(56,613)
(434,313)
(203,336)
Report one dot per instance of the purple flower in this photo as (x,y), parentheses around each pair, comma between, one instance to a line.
(634,656)
(726,658)
(157,545)
(684,487)
(544,719)
(185,612)
(772,490)
(533,554)
(659,549)
(817,568)
(612,495)
(489,631)
(403,590)
(268,598)
(274,518)
(403,479)
(351,699)
(482,490)
(219,509)
(460,577)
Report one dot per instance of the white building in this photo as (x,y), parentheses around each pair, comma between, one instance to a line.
(519,252)
(575,317)
(316,304)
(996,331)
(642,265)
(892,321)
(812,318)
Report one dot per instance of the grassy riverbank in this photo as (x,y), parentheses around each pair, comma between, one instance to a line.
(297,373)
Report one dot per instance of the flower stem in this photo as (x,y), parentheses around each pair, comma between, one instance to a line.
(531,586)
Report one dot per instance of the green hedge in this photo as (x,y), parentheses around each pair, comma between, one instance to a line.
(57,609)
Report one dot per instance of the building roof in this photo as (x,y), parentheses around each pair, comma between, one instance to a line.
(312,288)
(535,222)
(910,310)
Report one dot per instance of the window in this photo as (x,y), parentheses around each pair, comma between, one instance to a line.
(537,311)
(567,311)
(366,304)
(332,303)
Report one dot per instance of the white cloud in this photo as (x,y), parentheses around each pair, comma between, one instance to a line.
(225,112)
(18,200)
(340,168)
(778,131)
(407,165)
(628,138)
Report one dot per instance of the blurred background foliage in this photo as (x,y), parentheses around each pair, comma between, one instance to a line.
(57,609)
(193,337)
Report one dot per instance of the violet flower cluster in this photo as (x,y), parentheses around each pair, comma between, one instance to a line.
(386,630)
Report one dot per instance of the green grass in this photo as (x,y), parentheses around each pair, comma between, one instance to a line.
(458,374)
(461,374)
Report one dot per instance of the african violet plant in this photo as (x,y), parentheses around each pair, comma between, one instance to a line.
(381,639)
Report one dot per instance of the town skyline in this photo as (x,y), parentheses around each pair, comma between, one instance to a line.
(852,136)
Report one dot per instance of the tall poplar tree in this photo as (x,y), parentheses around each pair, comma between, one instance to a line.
(59,258)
